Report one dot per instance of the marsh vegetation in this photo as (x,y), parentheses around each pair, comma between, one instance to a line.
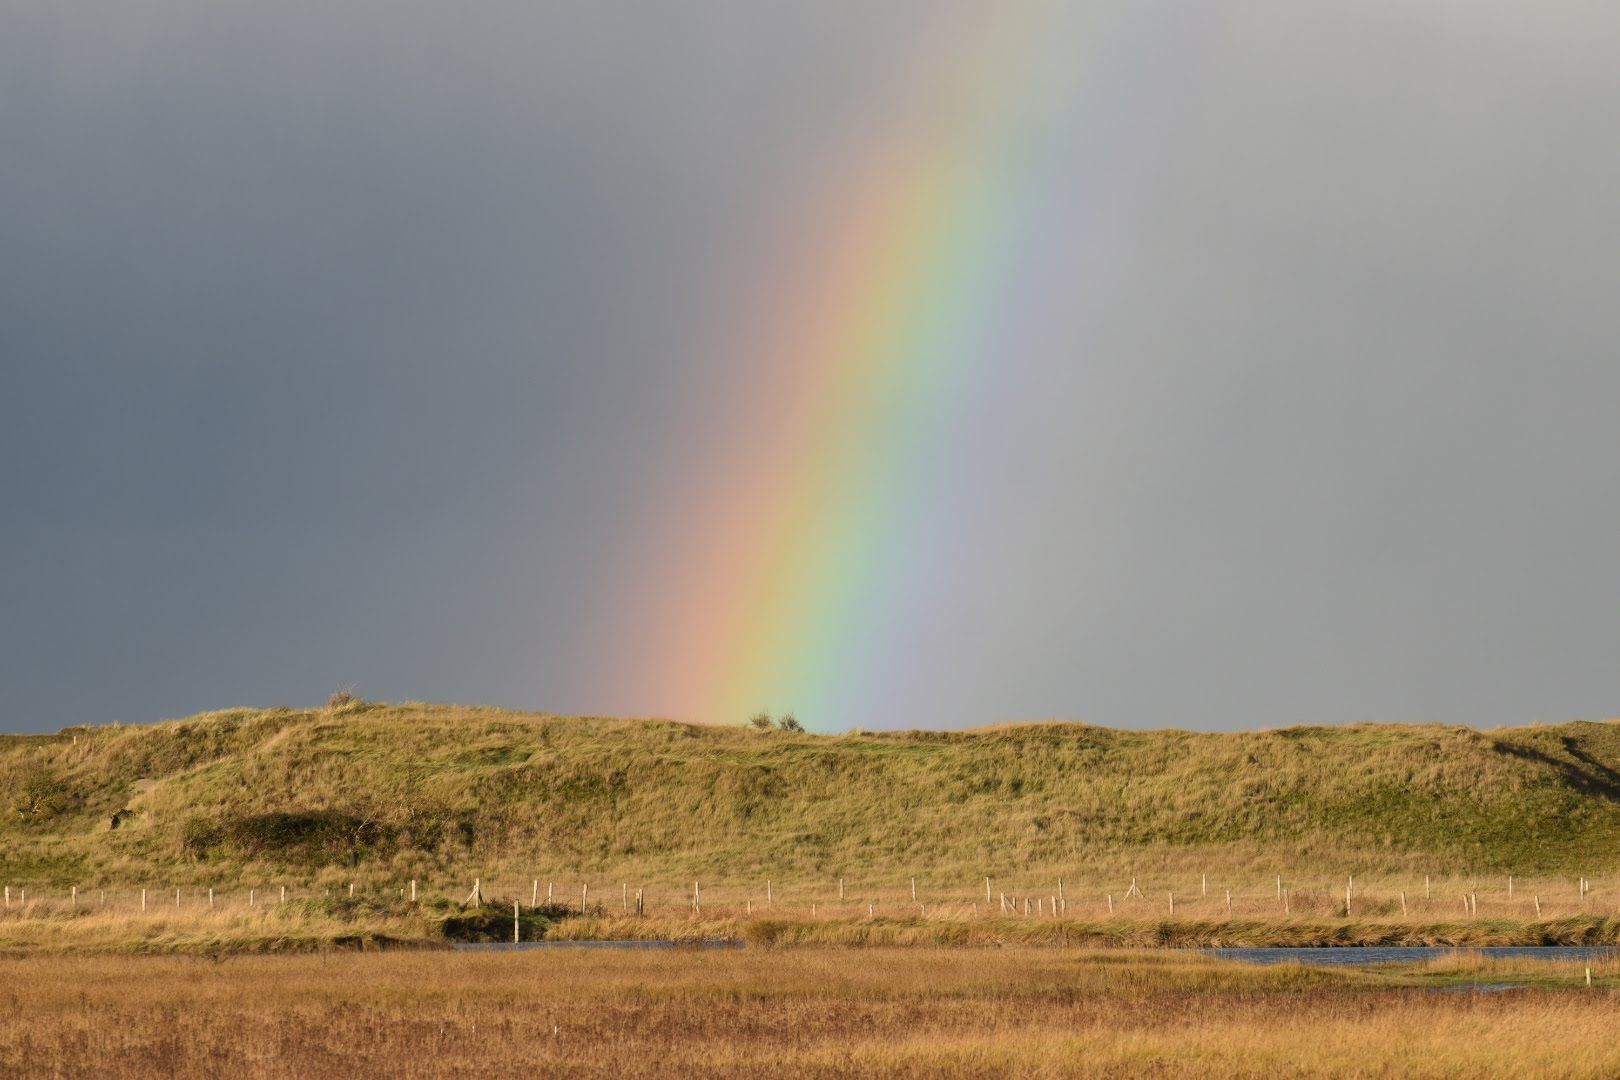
(804,1012)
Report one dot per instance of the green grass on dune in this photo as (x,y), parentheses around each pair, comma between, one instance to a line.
(385,792)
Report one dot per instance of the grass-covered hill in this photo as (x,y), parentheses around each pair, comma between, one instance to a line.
(383,792)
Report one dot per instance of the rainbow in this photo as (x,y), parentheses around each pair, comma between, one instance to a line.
(812,556)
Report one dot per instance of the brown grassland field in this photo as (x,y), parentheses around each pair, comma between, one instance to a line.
(274,892)
(804,1012)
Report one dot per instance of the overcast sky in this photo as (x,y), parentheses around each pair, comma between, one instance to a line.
(350,344)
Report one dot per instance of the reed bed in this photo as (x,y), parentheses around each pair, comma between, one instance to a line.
(804,1012)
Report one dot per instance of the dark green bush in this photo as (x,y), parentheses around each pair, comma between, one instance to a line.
(44,794)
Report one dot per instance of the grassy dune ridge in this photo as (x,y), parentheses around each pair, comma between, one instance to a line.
(377,793)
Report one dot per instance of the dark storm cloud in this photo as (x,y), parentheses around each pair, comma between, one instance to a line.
(338,343)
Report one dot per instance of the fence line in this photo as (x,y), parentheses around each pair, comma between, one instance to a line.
(1204,896)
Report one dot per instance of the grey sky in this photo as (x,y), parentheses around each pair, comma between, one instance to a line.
(343,344)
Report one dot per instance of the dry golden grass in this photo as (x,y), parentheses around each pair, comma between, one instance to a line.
(194,928)
(807,914)
(254,919)
(802,1012)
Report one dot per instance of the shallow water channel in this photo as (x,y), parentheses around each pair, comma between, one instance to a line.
(1415,954)
(1325,956)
